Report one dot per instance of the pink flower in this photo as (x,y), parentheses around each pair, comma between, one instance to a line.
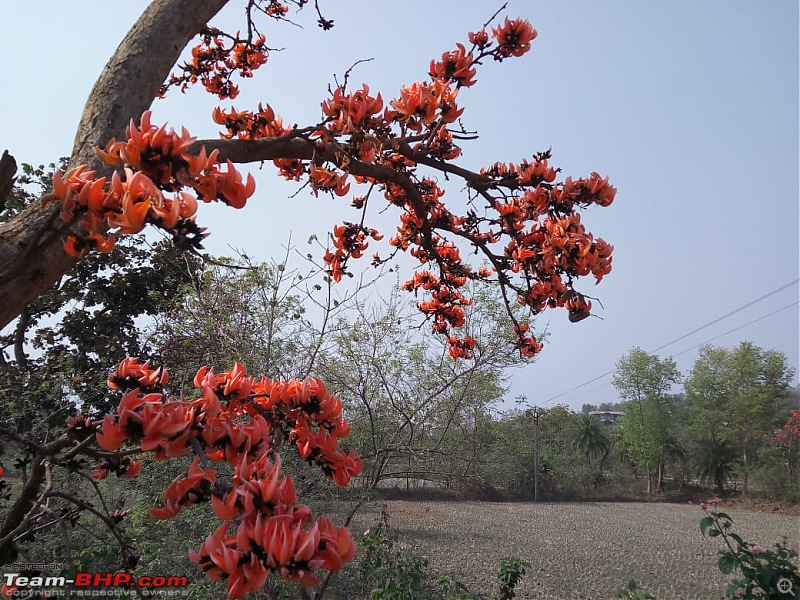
(757,549)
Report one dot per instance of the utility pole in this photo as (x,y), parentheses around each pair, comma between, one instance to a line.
(535,413)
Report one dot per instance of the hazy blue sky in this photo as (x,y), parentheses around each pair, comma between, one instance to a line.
(691,108)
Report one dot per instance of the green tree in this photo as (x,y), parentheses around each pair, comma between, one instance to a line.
(589,437)
(418,413)
(737,396)
(606,406)
(643,381)
(237,310)
(713,460)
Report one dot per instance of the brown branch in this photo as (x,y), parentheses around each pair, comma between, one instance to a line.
(21,440)
(475,180)
(128,551)
(8,168)
(21,511)
(294,146)
(19,339)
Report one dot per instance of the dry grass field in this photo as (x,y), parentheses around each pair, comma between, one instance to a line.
(586,550)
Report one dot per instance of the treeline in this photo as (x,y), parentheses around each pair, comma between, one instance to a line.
(735,429)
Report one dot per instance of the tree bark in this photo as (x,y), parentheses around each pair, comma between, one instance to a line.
(8,168)
(31,253)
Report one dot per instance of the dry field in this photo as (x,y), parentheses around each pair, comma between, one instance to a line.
(586,550)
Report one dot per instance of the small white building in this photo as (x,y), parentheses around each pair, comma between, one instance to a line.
(608,417)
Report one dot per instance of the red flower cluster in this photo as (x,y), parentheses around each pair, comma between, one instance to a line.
(514,37)
(791,430)
(461,348)
(350,112)
(349,240)
(456,67)
(793,424)
(157,161)
(328,180)
(235,420)
(214,61)
(424,104)
(250,125)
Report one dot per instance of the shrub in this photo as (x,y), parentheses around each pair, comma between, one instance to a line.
(764,573)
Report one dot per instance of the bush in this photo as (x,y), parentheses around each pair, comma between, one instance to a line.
(764,573)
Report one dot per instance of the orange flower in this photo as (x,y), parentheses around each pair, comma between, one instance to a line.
(349,112)
(339,546)
(579,307)
(99,473)
(185,491)
(479,38)
(461,348)
(454,66)
(528,346)
(232,190)
(217,556)
(514,37)
(110,435)
(134,466)
(328,181)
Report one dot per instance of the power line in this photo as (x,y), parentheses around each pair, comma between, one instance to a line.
(717,320)
(761,318)
(725,316)
(577,387)
(795,303)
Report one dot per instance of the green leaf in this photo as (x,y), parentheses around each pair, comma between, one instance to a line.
(705,524)
(722,515)
(727,563)
(765,577)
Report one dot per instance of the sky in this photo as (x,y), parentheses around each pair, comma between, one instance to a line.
(690,107)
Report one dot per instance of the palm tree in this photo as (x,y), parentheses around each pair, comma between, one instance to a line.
(588,435)
(713,460)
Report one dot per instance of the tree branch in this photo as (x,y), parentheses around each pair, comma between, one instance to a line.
(21,511)
(8,168)
(31,257)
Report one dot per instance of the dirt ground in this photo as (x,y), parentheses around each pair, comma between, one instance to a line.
(577,550)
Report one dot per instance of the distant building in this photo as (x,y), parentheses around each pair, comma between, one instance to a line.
(607,417)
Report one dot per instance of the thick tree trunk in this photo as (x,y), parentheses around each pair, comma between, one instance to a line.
(31,253)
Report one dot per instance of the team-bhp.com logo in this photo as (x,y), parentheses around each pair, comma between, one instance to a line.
(16,585)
